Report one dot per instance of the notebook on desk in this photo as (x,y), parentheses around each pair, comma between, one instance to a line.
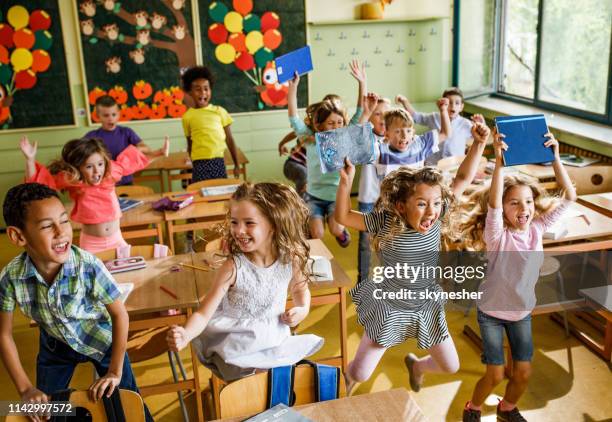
(525,138)
(299,61)
(127,203)
(218,190)
(279,413)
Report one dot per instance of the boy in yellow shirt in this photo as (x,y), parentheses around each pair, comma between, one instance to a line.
(207,128)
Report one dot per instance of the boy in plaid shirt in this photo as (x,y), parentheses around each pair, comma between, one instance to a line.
(68,292)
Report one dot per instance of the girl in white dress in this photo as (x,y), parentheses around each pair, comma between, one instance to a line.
(242,324)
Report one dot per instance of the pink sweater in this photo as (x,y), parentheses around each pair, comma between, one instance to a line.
(514,264)
(94,204)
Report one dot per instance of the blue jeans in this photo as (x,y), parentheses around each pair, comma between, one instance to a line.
(363,255)
(492,333)
(56,362)
(319,208)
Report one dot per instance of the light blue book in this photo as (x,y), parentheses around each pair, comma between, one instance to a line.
(353,141)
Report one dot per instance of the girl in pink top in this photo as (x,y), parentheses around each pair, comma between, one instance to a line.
(87,173)
(508,220)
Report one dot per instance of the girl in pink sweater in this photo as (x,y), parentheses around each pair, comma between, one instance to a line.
(508,220)
(87,173)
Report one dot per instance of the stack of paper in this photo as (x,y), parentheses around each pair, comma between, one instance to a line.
(320,268)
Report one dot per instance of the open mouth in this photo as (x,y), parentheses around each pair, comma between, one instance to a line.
(522,219)
(425,225)
(243,242)
(61,248)
(96,179)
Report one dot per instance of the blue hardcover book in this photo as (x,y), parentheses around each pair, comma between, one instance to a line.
(353,141)
(299,61)
(127,203)
(525,139)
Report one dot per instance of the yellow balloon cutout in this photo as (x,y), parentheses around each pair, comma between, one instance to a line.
(233,22)
(21,59)
(254,41)
(18,17)
(225,53)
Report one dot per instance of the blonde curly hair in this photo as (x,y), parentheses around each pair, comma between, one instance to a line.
(467,227)
(286,213)
(398,187)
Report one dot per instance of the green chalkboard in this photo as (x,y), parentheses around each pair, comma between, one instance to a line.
(240,38)
(34,85)
(134,50)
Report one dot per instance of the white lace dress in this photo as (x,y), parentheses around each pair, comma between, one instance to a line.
(246,333)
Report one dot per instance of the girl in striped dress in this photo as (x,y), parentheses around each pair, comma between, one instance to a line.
(406,226)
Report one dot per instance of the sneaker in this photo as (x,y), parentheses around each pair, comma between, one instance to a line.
(410,360)
(344,239)
(509,416)
(470,415)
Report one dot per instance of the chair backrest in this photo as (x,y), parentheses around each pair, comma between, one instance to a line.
(591,179)
(213,182)
(134,190)
(248,396)
(146,251)
(132,404)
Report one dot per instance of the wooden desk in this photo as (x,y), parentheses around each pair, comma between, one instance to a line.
(209,215)
(163,167)
(147,299)
(600,299)
(384,406)
(143,215)
(600,202)
(338,286)
(591,235)
(540,172)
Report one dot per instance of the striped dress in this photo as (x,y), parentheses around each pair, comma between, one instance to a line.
(390,322)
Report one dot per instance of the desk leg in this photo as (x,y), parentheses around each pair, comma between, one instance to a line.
(343,330)
(196,378)
(160,234)
(244,172)
(171,236)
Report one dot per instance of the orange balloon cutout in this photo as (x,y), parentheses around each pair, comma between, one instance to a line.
(238,41)
(24,38)
(4,55)
(272,39)
(243,7)
(40,60)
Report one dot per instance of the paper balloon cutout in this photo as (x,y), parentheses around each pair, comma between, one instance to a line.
(25,79)
(272,39)
(251,23)
(4,55)
(243,7)
(233,22)
(24,38)
(244,61)
(217,33)
(40,20)
(225,53)
(254,41)
(6,73)
(238,41)
(217,11)
(269,20)
(6,35)
(263,56)
(21,59)
(44,40)
(40,60)
(18,17)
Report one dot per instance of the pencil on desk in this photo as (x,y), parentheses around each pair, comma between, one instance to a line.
(195,267)
(586,219)
(168,291)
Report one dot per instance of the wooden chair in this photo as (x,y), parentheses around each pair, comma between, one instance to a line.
(451,164)
(133,190)
(143,345)
(213,182)
(591,179)
(133,407)
(247,396)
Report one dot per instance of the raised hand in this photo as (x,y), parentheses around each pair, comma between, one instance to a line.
(294,82)
(443,103)
(552,143)
(347,173)
(370,102)
(499,145)
(28,150)
(478,118)
(401,100)
(480,133)
(358,71)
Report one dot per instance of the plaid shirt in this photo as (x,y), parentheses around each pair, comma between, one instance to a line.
(71,309)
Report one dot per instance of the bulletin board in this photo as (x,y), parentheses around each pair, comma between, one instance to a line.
(34,83)
(240,39)
(134,51)
(401,57)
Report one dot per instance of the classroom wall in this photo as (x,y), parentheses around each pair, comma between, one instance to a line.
(256,134)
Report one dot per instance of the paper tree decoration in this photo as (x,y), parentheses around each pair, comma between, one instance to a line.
(24,45)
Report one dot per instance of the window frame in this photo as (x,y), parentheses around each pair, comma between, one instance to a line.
(499,32)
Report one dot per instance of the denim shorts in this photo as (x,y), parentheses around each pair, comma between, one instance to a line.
(319,208)
(492,333)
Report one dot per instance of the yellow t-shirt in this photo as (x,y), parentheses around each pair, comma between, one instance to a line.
(206,126)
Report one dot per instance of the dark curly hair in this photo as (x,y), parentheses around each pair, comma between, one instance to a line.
(18,198)
(194,73)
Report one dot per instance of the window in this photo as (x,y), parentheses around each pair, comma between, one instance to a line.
(554,54)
